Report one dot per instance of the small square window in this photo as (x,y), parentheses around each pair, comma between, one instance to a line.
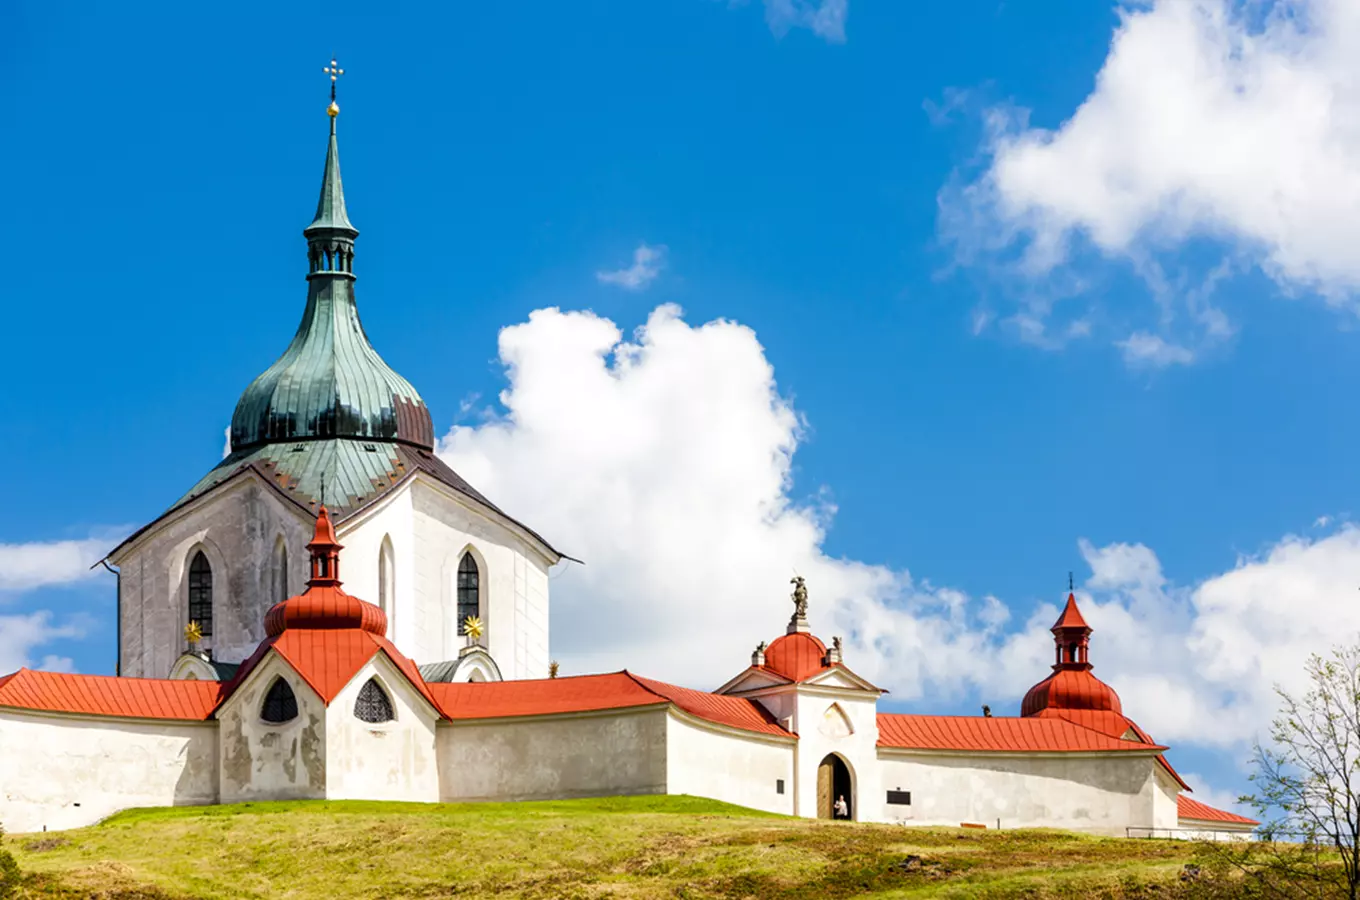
(779,786)
(899,798)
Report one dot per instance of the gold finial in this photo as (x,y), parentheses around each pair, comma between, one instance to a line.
(335,72)
(472,627)
(193,634)
(552,669)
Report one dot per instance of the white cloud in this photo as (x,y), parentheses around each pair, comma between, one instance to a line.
(1210,119)
(664,461)
(1205,792)
(824,18)
(46,563)
(20,634)
(1141,348)
(647,264)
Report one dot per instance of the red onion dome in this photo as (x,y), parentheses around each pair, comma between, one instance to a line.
(796,656)
(325,607)
(1069,689)
(323,604)
(1071,686)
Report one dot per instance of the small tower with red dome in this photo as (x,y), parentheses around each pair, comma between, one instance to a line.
(1071,686)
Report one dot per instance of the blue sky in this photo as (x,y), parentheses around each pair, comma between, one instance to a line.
(1008,327)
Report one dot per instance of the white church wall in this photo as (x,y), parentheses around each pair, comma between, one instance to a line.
(1163,791)
(600,754)
(703,760)
(67,771)
(514,584)
(393,760)
(1205,830)
(237,527)
(272,761)
(362,536)
(845,723)
(1086,792)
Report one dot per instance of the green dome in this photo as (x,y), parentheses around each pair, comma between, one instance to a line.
(330,382)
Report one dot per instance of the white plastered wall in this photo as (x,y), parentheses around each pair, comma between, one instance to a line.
(262,760)
(66,771)
(393,760)
(599,754)
(236,527)
(844,721)
(705,760)
(514,583)
(1100,793)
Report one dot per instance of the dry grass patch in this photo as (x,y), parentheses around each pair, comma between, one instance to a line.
(631,847)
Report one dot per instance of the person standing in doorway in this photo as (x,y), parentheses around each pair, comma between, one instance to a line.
(842,808)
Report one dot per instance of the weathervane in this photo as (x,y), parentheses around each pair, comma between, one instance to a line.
(335,72)
(1069,583)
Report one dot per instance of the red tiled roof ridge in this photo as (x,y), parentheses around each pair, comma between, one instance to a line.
(720,709)
(109,695)
(1190,808)
(1018,734)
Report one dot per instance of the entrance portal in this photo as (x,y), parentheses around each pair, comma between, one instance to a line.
(833,782)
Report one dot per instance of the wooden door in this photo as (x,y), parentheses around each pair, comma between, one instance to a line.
(824,788)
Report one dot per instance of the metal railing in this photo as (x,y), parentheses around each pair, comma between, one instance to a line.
(1190,834)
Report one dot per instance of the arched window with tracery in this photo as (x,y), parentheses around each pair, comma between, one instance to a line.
(373,704)
(201,593)
(469,591)
(280,704)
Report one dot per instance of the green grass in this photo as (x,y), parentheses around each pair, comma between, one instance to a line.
(625,847)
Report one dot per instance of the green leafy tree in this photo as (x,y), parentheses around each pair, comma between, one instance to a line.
(1307,786)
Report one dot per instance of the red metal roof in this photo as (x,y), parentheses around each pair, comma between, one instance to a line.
(1051,735)
(583,693)
(1112,724)
(1186,808)
(107,695)
(796,656)
(1070,689)
(1071,616)
(325,607)
(723,710)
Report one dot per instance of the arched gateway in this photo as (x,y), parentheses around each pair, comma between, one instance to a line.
(834,782)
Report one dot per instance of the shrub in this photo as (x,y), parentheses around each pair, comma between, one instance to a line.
(9,872)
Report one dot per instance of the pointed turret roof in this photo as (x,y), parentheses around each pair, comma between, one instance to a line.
(1071,617)
(330,208)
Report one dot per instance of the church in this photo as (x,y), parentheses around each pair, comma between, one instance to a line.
(332,612)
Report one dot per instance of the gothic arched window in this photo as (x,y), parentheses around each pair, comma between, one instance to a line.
(280,570)
(469,591)
(280,704)
(387,580)
(373,705)
(201,593)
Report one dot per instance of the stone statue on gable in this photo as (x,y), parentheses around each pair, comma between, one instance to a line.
(799,597)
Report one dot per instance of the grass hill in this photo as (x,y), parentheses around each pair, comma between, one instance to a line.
(628,847)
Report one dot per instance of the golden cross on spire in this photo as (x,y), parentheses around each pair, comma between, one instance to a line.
(335,72)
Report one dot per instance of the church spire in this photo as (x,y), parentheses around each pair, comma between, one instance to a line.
(330,237)
(1071,635)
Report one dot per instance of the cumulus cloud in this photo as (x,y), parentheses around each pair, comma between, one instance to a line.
(20,634)
(647,264)
(47,563)
(1210,120)
(664,460)
(824,18)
